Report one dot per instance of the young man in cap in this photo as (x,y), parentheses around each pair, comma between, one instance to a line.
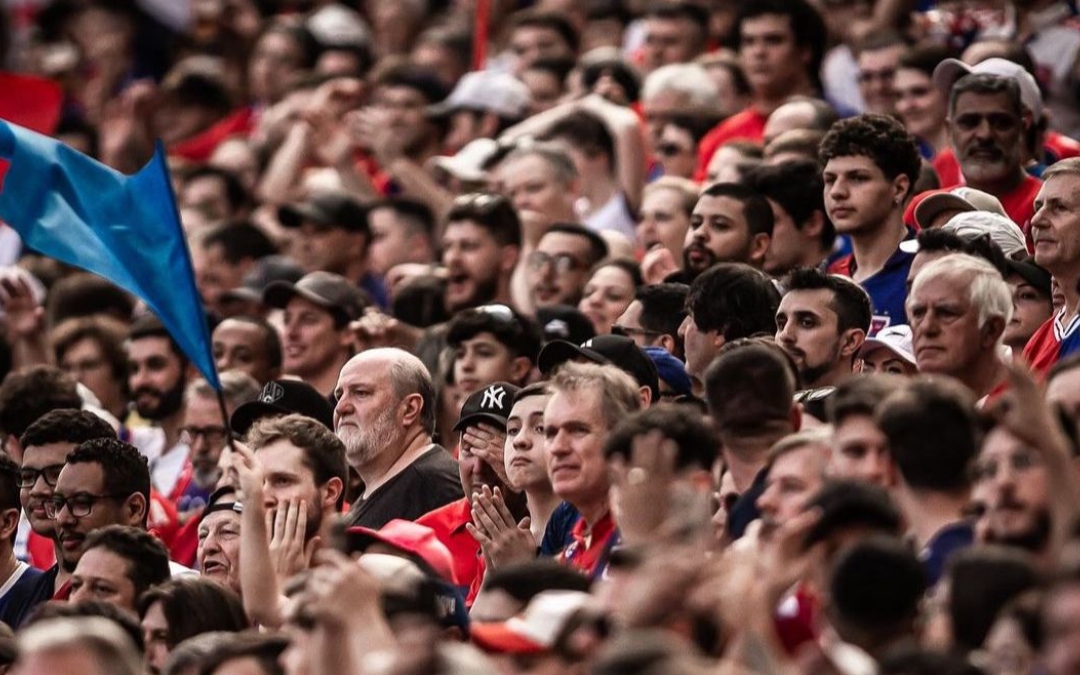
(317,340)
(617,350)
(482,433)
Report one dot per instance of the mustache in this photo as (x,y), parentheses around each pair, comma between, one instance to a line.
(147,390)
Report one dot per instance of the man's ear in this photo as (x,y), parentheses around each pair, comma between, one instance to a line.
(411,408)
(646,397)
(521,369)
(9,524)
(851,341)
(508,258)
(991,331)
(901,188)
(334,488)
(136,510)
(759,245)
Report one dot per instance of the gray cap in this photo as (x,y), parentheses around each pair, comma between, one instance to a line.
(332,291)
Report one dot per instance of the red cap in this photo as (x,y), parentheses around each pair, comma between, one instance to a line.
(408,537)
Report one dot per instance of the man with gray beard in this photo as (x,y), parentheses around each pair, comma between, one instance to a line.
(385,416)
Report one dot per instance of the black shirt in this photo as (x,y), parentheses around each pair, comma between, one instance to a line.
(425,485)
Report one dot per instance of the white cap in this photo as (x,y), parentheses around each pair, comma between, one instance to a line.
(950,70)
(1003,232)
(468,163)
(337,26)
(488,91)
(895,338)
(536,628)
(962,199)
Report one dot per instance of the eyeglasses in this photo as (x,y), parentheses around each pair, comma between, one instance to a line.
(79,505)
(670,149)
(214,435)
(997,121)
(28,477)
(563,262)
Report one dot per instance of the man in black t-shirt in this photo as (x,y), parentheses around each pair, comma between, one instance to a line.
(385,416)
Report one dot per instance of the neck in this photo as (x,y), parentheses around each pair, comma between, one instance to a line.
(939,140)
(986,375)
(171,426)
(766,102)
(541,503)
(388,464)
(1002,186)
(813,256)
(1067,282)
(62,575)
(355,270)
(745,456)
(8,563)
(873,249)
(592,511)
(840,372)
(927,512)
(599,191)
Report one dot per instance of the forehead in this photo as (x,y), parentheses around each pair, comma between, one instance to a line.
(611,275)
(37,456)
(466,230)
(100,562)
(201,409)
(563,242)
(524,168)
(941,288)
(803,461)
(974,102)
(384,218)
(218,519)
(535,34)
(853,163)
(765,24)
(81,477)
(881,57)
(1062,186)
(529,406)
(1063,387)
(397,92)
(240,333)
(660,198)
(83,346)
(580,405)
(483,337)
(364,369)
(149,347)
(281,456)
(707,205)
(998,442)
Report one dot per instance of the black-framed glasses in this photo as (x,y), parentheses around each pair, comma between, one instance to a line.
(563,262)
(79,505)
(213,435)
(28,477)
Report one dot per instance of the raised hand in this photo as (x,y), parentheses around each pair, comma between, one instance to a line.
(502,540)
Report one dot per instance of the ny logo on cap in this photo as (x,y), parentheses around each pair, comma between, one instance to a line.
(587,344)
(493,397)
(271,392)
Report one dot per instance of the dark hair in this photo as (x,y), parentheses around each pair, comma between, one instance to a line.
(617,69)
(849,300)
(925,57)
(586,132)
(270,336)
(985,84)
(239,241)
(149,326)
(193,606)
(982,580)
(933,433)
(518,333)
(938,240)
(879,40)
(491,211)
(880,138)
(805,142)
(124,468)
(235,192)
(756,209)
(414,77)
(663,307)
(853,505)
(598,248)
(415,214)
(83,294)
(66,425)
(264,649)
(148,560)
(555,21)
(879,611)
(799,190)
(75,125)
(805,22)
(525,580)
(695,438)
(26,395)
(559,67)
(630,267)
(911,659)
(860,396)
(734,299)
(60,609)
(324,453)
(108,333)
(749,388)
(679,9)
(535,389)
(9,483)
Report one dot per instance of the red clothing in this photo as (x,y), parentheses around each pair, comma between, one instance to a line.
(185,545)
(163,518)
(748,125)
(199,147)
(590,549)
(1060,146)
(448,523)
(41,550)
(1018,204)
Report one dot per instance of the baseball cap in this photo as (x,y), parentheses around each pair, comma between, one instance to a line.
(961,198)
(537,628)
(488,91)
(326,289)
(671,370)
(469,162)
(338,26)
(491,404)
(416,540)
(950,70)
(1032,274)
(616,350)
(973,224)
(405,588)
(564,322)
(331,209)
(264,272)
(895,338)
(283,397)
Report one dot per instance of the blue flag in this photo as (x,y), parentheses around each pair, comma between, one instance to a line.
(124,228)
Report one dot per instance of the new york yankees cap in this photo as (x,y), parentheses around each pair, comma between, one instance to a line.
(490,404)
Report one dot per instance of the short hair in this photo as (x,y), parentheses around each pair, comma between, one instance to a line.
(66,425)
(618,391)
(518,333)
(881,139)
(933,432)
(556,66)
(663,307)
(409,375)
(553,154)
(84,294)
(698,446)
(679,9)
(324,453)
(864,605)
(686,189)
(851,504)
(270,336)
(814,437)
(880,40)
(265,649)
(860,396)
(734,299)
(925,57)
(850,302)
(147,557)
(239,241)
(799,190)
(986,84)
(411,76)
(187,656)
(149,326)
(523,581)
(1065,167)
(237,387)
(749,388)
(235,192)
(756,209)
(982,580)
(107,332)
(26,395)
(491,211)
(627,265)
(193,606)
(805,142)
(9,483)
(989,292)
(586,132)
(598,248)
(416,216)
(805,21)
(112,646)
(614,67)
(124,468)
(533,18)
(689,79)
(535,389)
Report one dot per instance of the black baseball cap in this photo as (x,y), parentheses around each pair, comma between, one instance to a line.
(332,291)
(283,397)
(564,322)
(331,209)
(1032,274)
(490,404)
(616,350)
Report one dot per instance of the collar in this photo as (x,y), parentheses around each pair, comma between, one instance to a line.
(587,535)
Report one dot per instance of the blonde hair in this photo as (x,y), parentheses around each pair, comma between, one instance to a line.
(619,393)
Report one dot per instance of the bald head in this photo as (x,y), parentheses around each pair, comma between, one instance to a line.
(394,371)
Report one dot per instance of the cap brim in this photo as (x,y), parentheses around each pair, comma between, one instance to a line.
(252,411)
(279,293)
(871,344)
(241,293)
(498,637)
(558,352)
(479,417)
(459,170)
(930,207)
(948,72)
(293,215)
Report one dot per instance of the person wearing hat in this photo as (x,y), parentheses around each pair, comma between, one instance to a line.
(1033,303)
(673,380)
(938,208)
(316,337)
(482,433)
(482,105)
(889,352)
(246,299)
(617,350)
(541,632)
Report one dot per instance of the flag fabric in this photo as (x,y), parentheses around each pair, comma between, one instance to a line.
(33,102)
(124,228)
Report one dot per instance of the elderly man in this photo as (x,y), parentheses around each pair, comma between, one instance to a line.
(385,416)
(959,307)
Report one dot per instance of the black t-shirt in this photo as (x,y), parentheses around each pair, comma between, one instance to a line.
(425,485)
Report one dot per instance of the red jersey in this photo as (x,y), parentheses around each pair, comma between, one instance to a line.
(748,125)
(448,522)
(590,549)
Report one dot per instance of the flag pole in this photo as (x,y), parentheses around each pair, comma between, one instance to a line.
(480,33)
